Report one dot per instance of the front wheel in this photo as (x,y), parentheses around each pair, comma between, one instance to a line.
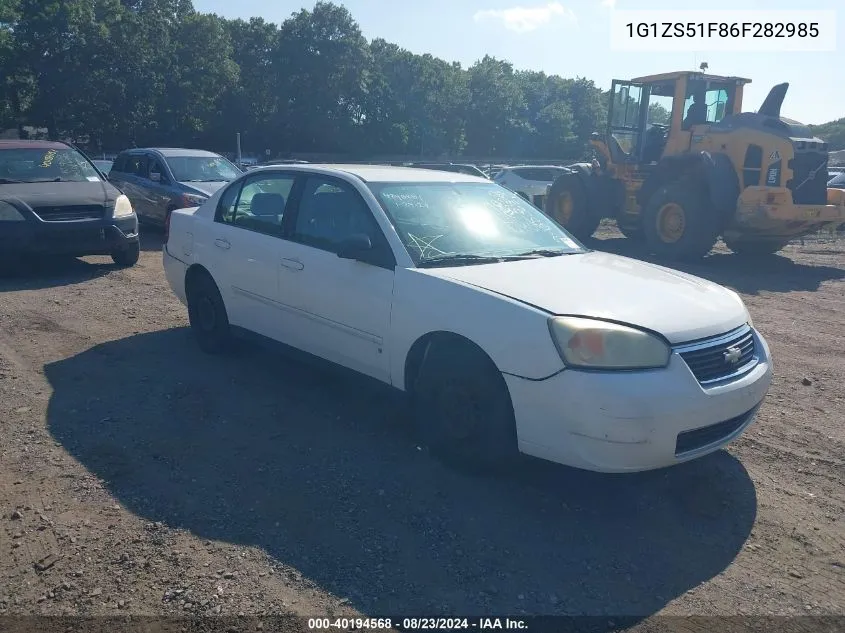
(127,256)
(678,223)
(207,315)
(462,409)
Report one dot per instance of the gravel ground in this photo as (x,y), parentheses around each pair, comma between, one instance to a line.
(140,477)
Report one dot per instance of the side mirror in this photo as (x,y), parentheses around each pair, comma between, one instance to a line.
(155,176)
(357,246)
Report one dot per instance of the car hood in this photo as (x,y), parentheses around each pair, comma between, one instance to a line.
(205,188)
(679,306)
(41,194)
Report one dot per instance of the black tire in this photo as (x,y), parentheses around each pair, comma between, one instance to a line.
(462,409)
(207,315)
(678,222)
(127,256)
(568,204)
(755,248)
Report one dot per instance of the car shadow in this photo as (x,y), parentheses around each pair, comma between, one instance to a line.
(318,469)
(772,273)
(152,237)
(35,273)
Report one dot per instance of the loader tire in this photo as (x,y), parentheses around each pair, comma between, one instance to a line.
(568,205)
(678,222)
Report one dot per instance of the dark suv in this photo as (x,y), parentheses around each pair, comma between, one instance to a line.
(53,201)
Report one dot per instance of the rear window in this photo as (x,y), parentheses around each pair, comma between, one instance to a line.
(839,181)
(45,165)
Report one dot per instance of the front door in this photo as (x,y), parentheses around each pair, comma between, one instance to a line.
(342,305)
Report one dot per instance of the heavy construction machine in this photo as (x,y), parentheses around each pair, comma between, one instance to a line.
(681,165)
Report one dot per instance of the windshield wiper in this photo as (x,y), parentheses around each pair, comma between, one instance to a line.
(11,181)
(458,258)
(543,252)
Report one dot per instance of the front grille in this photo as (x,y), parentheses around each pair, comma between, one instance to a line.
(720,357)
(809,178)
(696,439)
(71,212)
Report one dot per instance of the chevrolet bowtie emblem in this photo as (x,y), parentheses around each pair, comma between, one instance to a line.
(732,355)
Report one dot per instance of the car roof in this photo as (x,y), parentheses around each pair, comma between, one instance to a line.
(27,144)
(174,151)
(381,173)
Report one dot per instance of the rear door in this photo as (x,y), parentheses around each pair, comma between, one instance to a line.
(159,188)
(134,177)
(244,249)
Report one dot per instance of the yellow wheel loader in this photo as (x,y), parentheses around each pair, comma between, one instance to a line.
(681,165)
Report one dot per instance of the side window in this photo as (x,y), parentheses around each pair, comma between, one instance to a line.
(157,168)
(226,206)
(258,205)
(119,163)
(137,165)
(331,211)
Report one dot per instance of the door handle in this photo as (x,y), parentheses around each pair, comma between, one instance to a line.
(293,264)
(221,243)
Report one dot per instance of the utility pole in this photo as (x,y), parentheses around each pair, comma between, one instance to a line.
(240,163)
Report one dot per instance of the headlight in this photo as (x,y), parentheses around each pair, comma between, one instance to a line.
(744,307)
(592,344)
(8,213)
(122,207)
(192,199)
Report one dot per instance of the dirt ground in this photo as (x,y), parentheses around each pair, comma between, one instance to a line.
(138,476)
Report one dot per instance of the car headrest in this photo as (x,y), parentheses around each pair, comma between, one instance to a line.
(264,204)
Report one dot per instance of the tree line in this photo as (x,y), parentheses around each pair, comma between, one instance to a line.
(111,74)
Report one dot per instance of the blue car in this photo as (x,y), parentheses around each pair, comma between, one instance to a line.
(159,180)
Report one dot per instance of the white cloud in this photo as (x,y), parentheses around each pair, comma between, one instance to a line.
(524,19)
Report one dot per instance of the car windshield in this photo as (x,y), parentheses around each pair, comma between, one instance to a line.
(45,165)
(470,222)
(202,169)
(542,174)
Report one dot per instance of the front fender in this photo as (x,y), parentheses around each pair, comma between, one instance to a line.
(515,336)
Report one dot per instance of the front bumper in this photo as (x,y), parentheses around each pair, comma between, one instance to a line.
(771,211)
(72,238)
(635,421)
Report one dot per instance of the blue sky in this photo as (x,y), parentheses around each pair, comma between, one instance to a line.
(571,38)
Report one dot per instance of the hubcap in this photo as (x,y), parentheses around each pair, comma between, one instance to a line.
(564,208)
(206,314)
(671,222)
(458,412)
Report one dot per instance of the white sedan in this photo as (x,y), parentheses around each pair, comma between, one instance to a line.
(507,334)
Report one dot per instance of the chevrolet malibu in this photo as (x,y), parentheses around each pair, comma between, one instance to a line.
(507,335)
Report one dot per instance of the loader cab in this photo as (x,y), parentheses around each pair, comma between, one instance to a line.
(651,117)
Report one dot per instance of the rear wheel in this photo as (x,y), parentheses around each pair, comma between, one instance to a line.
(568,205)
(207,314)
(755,248)
(678,223)
(462,409)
